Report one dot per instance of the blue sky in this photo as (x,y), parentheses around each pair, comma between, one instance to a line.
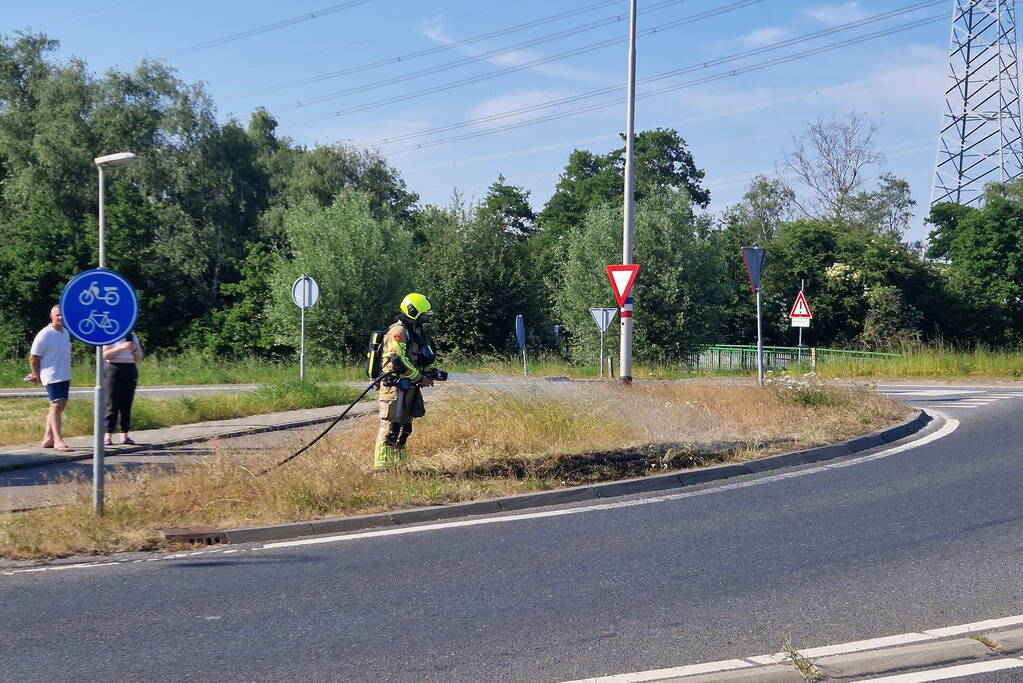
(735,126)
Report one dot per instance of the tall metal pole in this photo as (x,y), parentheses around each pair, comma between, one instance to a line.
(99,400)
(301,354)
(600,368)
(625,370)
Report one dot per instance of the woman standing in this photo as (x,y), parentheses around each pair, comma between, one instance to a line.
(120,377)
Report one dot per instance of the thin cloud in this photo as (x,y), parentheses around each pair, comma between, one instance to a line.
(511,102)
(434,31)
(832,15)
(764,36)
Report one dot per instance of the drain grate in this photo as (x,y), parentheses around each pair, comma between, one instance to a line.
(196,535)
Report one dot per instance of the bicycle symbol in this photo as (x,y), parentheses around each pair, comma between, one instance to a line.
(109,296)
(101,320)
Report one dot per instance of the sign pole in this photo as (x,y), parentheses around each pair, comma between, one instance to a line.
(99,399)
(301,353)
(600,368)
(802,283)
(760,343)
(625,371)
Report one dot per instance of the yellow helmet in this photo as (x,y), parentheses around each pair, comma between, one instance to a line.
(416,306)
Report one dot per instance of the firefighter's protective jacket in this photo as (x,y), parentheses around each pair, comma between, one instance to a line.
(406,354)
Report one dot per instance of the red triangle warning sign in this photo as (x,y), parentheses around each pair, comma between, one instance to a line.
(801,309)
(622,278)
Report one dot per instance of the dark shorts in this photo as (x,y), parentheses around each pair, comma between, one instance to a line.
(58,391)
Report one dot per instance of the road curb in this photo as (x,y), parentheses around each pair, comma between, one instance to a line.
(589,492)
(184,441)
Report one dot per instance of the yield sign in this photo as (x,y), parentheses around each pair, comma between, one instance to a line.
(603,317)
(621,278)
(801,309)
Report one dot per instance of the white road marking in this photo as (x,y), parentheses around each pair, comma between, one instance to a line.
(934,392)
(674,672)
(976,626)
(825,651)
(846,648)
(951,671)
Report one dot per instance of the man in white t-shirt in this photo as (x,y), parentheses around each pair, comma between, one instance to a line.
(50,361)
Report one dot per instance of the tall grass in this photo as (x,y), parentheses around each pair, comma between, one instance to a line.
(21,420)
(457,453)
(939,362)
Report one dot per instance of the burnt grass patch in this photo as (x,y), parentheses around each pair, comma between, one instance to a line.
(610,465)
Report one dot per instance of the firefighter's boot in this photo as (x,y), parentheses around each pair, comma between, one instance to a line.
(386,456)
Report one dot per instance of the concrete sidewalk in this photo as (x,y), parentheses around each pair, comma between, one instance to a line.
(32,455)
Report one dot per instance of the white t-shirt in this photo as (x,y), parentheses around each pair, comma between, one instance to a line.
(54,351)
(122,356)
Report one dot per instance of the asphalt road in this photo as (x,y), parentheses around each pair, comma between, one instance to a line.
(815,555)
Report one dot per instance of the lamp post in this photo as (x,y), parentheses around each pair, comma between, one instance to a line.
(99,399)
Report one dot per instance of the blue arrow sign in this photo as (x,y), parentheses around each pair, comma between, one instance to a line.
(99,306)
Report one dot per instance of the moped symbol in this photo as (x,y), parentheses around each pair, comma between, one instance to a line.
(109,295)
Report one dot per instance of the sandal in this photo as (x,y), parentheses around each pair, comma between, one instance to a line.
(63,448)
(127,441)
(108,441)
(46,444)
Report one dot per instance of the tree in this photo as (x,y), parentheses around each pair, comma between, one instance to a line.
(679,292)
(983,248)
(476,278)
(509,205)
(885,211)
(663,164)
(766,205)
(831,158)
(363,265)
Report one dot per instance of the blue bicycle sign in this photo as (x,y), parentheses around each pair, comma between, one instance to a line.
(99,306)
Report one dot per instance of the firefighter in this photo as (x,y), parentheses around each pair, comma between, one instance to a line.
(409,360)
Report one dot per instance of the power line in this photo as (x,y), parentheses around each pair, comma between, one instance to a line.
(657,77)
(501,72)
(284,23)
(532,42)
(680,86)
(409,56)
(503,7)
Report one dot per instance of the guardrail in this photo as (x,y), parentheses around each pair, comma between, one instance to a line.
(744,357)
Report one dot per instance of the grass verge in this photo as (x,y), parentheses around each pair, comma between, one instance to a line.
(21,420)
(934,363)
(472,445)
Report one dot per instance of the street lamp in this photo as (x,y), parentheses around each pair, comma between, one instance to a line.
(99,400)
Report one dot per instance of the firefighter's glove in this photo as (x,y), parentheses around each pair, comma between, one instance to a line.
(426,381)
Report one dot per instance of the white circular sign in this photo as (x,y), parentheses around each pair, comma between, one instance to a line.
(305,292)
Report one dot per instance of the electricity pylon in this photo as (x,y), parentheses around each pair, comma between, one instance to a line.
(981,139)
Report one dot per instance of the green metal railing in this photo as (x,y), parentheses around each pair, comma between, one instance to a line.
(744,357)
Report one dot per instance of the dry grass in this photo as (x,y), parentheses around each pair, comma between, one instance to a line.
(464,449)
